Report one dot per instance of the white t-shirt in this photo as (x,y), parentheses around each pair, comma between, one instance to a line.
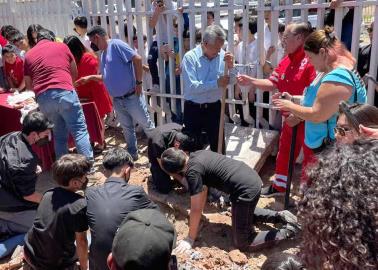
(86,42)
(267,38)
(251,55)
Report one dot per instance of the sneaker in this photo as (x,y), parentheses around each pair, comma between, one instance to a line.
(270,191)
(289,218)
(289,230)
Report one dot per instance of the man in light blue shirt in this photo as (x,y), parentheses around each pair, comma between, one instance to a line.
(203,69)
(121,72)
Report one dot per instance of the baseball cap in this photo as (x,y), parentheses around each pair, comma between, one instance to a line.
(144,240)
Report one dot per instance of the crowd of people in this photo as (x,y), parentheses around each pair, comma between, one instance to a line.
(316,88)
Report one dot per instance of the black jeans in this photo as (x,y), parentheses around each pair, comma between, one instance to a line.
(161,181)
(244,216)
(204,117)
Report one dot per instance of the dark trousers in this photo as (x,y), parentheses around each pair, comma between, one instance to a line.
(161,181)
(204,117)
(244,216)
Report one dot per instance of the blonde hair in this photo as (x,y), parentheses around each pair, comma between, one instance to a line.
(337,52)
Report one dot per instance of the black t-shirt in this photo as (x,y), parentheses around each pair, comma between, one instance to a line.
(107,206)
(49,244)
(228,175)
(18,165)
(160,139)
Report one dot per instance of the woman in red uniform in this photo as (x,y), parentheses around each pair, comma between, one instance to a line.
(87,64)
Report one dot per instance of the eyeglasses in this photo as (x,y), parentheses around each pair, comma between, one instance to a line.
(341,130)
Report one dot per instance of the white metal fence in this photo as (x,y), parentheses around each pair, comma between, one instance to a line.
(114,14)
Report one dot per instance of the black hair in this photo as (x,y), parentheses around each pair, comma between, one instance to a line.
(35,121)
(76,47)
(69,167)
(281,27)
(252,25)
(33,28)
(339,212)
(17,37)
(9,48)
(211,13)
(96,30)
(44,34)
(283,261)
(116,158)
(237,18)
(6,28)
(187,141)
(9,35)
(173,160)
(126,30)
(81,21)
(186,33)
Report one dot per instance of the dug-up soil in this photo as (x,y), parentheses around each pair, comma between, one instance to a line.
(213,248)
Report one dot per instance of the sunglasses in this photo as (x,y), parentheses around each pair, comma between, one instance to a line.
(341,130)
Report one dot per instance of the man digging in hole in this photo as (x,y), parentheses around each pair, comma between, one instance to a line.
(204,169)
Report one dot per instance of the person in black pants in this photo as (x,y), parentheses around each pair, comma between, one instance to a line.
(204,169)
(159,140)
(204,81)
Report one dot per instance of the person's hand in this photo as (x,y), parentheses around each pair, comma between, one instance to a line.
(335,3)
(178,71)
(184,246)
(244,80)
(82,81)
(292,120)
(229,60)
(180,10)
(138,89)
(282,104)
(38,170)
(146,68)
(159,7)
(223,81)
(369,132)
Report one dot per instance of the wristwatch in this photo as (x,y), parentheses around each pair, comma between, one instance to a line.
(138,82)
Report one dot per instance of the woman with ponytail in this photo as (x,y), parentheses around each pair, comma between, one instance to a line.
(336,81)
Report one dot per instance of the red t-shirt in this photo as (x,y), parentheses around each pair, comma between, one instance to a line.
(3,41)
(294,73)
(15,71)
(48,65)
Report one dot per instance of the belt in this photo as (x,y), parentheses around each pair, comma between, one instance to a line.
(202,105)
(128,94)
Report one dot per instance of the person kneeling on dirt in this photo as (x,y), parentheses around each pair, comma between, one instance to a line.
(204,169)
(160,139)
(61,220)
(145,241)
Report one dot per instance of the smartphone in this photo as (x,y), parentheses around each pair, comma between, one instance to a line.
(173,263)
(344,108)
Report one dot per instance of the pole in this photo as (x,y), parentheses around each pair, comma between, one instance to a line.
(221,117)
(291,166)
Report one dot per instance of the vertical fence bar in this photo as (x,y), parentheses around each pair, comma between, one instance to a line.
(373,60)
(357,20)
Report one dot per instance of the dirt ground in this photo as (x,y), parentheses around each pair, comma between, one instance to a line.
(213,248)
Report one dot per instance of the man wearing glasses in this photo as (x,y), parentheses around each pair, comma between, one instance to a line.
(293,74)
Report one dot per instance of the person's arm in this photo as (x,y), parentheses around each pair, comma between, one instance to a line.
(73,69)
(82,249)
(155,16)
(262,84)
(326,104)
(197,204)
(35,197)
(87,79)
(22,85)
(189,74)
(28,83)
(138,70)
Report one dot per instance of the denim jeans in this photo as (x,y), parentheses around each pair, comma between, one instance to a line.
(132,110)
(63,109)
